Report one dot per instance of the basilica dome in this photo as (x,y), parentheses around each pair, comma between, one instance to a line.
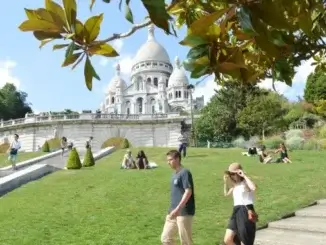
(116,81)
(178,76)
(151,50)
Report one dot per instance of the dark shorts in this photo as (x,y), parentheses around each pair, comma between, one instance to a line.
(239,223)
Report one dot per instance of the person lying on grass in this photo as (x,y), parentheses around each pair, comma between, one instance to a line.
(284,157)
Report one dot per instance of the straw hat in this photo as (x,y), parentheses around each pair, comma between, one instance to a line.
(233,168)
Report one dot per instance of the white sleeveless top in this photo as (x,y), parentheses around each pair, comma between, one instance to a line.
(241,196)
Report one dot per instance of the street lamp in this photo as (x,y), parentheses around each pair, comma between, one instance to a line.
(191,89)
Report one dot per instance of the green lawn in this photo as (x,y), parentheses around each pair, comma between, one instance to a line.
(108,206)
(21,157)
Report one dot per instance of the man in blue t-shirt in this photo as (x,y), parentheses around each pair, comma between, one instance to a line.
(182,208)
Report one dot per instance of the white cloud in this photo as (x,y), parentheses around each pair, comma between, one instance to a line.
(126,63)
(206,88)
(6,74)
(117,45)
(298,84)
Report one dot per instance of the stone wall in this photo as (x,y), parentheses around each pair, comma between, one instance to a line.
(162,133)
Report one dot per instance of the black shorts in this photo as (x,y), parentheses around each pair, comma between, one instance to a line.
(244,228)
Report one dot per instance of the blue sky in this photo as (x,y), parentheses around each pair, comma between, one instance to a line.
(51,87)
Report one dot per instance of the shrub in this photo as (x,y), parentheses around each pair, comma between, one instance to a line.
(311,144)
(89,158)
(322,132)
(125,144)
(295,143)
(73,160)
(239,142)
(322,144)
(4,147)
(46,147)
(273,142)
(115,141)
(254,141)
(293,133)
(54,144)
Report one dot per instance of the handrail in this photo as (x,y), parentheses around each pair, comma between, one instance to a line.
(87,116)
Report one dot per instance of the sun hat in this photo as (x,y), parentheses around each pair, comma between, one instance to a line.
(233,168)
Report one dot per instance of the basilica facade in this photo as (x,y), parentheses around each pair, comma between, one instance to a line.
(155,87)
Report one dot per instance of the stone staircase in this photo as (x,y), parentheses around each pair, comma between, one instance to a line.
(307,226)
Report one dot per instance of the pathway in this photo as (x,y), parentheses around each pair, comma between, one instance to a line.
(308,226)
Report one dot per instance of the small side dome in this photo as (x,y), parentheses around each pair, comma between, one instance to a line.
(116,81)
(178,77)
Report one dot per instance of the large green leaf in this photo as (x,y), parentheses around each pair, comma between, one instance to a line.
(198,51)
(41,35)
(199,71)
(39,25)
(89,74)
(71,59)
(244,18)
(129,16)
(56,9)
(158,13)
(104,50)
(193,40)
(92,27)
(70,8)
(60,46)
(70,49)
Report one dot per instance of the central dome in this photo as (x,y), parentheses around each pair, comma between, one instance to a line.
(151,50)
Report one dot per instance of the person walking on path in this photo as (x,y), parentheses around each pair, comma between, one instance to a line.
(13,151)
(182,209)
(64,145)
(241,229)
(183,144)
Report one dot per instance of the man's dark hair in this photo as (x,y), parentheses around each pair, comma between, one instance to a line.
(16,135)
(174,154)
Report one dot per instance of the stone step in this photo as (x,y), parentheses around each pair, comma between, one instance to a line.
(313,211)
(305,224)
(272,236)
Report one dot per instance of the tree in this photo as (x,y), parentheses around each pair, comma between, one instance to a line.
(315,89)
(46,147)
(248,40)
(13,103)
(89,158)
(73,160)
(262,114)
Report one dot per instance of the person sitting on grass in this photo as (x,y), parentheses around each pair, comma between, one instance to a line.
(128,161)
(141,160)
(263,156)
(284,157)
(252,151)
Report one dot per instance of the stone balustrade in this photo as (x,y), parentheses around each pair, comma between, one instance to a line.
(86,116)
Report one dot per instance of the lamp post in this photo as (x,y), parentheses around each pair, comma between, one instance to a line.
(191,89)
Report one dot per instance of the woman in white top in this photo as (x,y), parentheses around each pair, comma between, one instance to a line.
(241,229)
(128,161)
(13,151)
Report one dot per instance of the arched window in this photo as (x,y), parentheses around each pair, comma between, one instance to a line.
(179,93)
(128,111)
(140,105)
(166,82)
(176,94)
(112,100)
(153,105)
(155,81)
(128,107)
(149,80)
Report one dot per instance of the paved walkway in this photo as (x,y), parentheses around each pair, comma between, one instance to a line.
(308,226)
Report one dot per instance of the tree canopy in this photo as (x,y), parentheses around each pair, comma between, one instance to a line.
(247,40)
(315,89)
(13,103)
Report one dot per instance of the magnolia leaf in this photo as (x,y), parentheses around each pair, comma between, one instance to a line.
(51,17)
(56,9)
(158,13)
(201,25)
(39,25)
(71,48)
(199,71)
(267,46)
(229,66)
(305,23)
(59,46)
(70,8)
(92,27)
(79,31)
(92,4)
(69,36)
(30,14)
(89,74)
(45,41)
(104,50)
(78,61)
(41,35)
(244,18)
(71,59)
(198,51)
(276,38)
(129,16)
(193,40)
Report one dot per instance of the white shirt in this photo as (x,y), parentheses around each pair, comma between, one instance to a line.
(15,145)
(241,196)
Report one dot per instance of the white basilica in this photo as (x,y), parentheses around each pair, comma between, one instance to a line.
(156,86)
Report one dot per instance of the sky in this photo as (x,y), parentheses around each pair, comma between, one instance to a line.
(53,88)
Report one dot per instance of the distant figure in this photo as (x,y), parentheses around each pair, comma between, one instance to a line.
(13,151)
(128,161)
(284,157)
(183,144)
(70,146)
(252,151)
(141,160)
(64,145)
(263,156)
(89,142)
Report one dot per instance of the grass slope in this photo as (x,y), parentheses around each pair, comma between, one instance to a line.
(108,206)
(21,157)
